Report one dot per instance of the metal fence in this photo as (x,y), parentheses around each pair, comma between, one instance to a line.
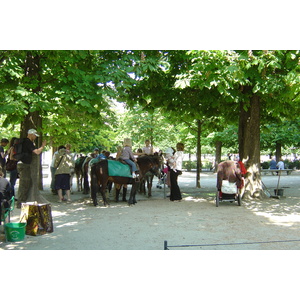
(167,247)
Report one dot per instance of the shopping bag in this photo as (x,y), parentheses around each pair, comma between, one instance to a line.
(38,218)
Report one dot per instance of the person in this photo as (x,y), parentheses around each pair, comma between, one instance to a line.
(63,164)
(73,155)
(28,170)
(280,165)
(175,164)
(3,144)
(101,155)
(168,154)
(52,171)
(119,152)
(13,173)
(229,170)
(273,164)
(243,172)
(95,153)
(5,193)
(128,157)
(147,149)
(5,187)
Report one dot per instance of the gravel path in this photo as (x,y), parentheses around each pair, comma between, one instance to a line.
(256,225)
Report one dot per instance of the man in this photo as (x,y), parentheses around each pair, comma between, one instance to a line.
(28,169)
(3,144)
(280,164)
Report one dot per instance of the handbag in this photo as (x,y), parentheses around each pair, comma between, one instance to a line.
(11,165)
(38,218)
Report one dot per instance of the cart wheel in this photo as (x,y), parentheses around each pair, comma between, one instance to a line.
(217,199)
(239,199)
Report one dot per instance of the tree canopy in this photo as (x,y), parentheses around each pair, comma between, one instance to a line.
(176,94)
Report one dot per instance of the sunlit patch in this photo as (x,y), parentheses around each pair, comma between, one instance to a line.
(286,221)
(56,213)
(190,198)
(80,208)
(67,224)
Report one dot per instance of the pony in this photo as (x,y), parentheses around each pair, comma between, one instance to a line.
(147,181)
(100,177)
(79,172)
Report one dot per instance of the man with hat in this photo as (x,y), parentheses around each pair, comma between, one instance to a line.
(28,168)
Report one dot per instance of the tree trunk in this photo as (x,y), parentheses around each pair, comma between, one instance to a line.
(199,163)
(278,151)
(218,154)
(249,146)
(33,119)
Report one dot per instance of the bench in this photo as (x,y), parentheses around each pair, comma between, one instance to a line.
(265,171)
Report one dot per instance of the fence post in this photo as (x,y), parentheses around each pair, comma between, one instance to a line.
(166,245)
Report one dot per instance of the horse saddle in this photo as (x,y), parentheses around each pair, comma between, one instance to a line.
(116,168)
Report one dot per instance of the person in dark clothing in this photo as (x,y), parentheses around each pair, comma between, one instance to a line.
(175,164)
(5,190)
(5,193)
(13,173)
(28,169)
(3,144)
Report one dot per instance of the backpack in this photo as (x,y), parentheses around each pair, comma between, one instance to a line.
(18,153)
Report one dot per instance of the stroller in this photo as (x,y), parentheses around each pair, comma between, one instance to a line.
(162,178)
(229,192)
(229,181)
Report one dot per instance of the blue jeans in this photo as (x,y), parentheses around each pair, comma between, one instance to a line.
(132,164)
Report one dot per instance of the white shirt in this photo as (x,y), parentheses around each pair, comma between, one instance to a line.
(178,158)
(280,165)
(175,161)
(148,150)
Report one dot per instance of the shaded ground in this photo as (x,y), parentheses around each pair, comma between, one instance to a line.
(195,220)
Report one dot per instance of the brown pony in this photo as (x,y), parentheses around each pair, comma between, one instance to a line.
(79,172)
(100,177)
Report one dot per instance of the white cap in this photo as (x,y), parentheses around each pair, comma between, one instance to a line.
(32,131)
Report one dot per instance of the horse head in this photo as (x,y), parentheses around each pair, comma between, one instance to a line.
(150,163)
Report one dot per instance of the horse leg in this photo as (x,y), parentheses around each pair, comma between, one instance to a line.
(103,193)
(124,193)
(134,187)
(118,189)
(94,189)
(142,187)
(149,185)
(78,182)
(86,186)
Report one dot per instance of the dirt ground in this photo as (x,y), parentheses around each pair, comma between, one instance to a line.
(267,224)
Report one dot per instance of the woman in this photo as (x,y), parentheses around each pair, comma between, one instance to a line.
(63,164)
(13,169)
(175,164)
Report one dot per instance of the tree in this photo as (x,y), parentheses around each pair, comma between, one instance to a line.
(242,87)
(258,83)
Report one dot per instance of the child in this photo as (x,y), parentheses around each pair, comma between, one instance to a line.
(148,149)
(128,157)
